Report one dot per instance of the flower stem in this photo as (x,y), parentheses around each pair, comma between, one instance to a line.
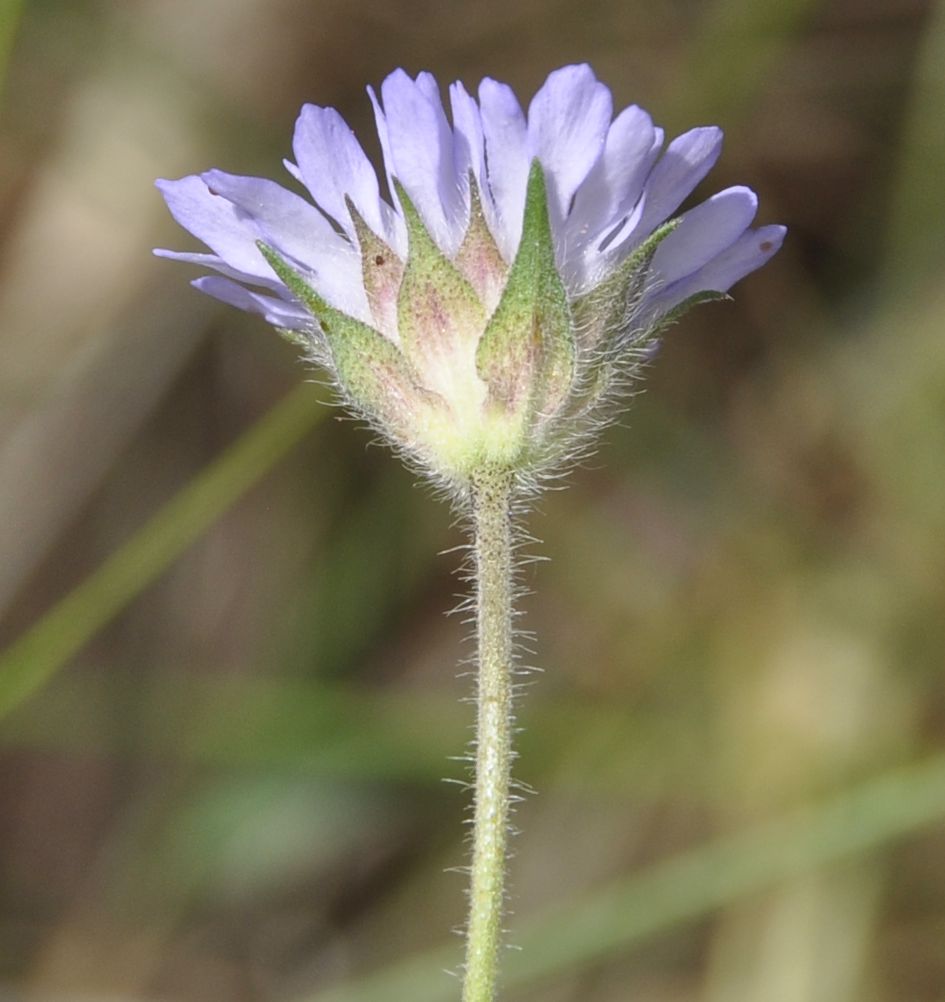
(494,588)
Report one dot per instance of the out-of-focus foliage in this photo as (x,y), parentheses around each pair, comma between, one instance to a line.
(228,686)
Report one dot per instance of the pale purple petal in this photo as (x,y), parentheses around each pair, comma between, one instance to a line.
(468,143)
(685,163)
(507,161)
(687,160)
(610,191)
(704,233)
(568,121)
(300,228)
(297,230)
(753,249)
(420,145)
(218,264)
(383,134)
(217,223)
(615,182)
(278,312)
(470,146)
(429,88)
(332,164)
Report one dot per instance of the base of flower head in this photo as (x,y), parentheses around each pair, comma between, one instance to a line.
(458,454)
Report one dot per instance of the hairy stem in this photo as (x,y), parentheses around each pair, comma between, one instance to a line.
(494,588)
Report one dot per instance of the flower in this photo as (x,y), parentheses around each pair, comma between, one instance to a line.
(482,304)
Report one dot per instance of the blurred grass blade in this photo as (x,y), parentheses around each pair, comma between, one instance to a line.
(44,648)
(692,884)
(10,11)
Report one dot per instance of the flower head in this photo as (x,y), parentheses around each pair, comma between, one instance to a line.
(482,302)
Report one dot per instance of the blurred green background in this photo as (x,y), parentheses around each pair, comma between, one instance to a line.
(228,689)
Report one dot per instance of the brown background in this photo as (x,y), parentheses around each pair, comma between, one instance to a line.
(225,784)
